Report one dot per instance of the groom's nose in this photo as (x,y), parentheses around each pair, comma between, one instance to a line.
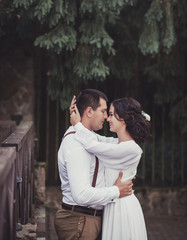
(106,116)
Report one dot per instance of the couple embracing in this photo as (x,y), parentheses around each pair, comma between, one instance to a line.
(96,172)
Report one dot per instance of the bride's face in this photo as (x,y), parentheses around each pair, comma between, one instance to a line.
(114,124)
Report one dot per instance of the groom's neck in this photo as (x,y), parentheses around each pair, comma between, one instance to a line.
(86,123)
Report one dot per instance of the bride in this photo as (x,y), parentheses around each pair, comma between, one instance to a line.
(123,218)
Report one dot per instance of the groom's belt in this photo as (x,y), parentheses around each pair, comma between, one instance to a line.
(81,209)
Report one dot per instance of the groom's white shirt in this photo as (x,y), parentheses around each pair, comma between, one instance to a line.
(76,168)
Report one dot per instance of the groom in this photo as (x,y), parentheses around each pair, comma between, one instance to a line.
(82,176)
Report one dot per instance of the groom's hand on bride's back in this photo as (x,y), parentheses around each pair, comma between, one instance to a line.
(125,188)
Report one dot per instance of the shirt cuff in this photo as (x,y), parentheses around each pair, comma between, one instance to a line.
(114,192)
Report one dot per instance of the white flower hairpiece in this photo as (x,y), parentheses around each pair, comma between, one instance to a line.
(147,117)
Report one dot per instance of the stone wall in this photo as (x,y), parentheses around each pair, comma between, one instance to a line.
(16,88)
(40,187)
(163,201)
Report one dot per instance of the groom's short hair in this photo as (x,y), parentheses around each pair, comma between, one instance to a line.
(89,98)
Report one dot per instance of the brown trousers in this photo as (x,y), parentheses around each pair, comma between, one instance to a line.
(71,226)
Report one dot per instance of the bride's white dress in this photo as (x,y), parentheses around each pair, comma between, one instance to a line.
(123,218)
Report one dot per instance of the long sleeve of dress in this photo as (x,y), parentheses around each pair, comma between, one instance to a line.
(106,139)
(116,156)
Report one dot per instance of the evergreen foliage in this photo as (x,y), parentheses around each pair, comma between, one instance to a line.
(158,27)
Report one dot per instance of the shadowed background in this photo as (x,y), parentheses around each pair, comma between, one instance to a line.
(51,50)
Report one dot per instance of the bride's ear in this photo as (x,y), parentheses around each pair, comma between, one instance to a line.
(89,112)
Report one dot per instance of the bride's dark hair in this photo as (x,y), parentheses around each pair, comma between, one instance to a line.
(130,110)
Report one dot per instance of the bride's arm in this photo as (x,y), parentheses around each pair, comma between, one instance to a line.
(115,156)
(101,138)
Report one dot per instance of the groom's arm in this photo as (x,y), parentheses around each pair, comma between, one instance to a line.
(78,169)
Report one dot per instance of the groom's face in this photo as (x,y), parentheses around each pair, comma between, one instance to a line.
(99,116)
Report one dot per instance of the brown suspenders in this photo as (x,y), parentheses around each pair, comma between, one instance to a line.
(96,164)
(95,171)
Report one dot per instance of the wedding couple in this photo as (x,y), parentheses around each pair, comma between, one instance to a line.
(89,184)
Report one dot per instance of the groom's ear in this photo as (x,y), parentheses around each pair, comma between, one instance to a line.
(89,112)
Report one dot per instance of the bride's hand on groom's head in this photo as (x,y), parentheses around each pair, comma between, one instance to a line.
(72,106)
(75,116)
(74,112)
